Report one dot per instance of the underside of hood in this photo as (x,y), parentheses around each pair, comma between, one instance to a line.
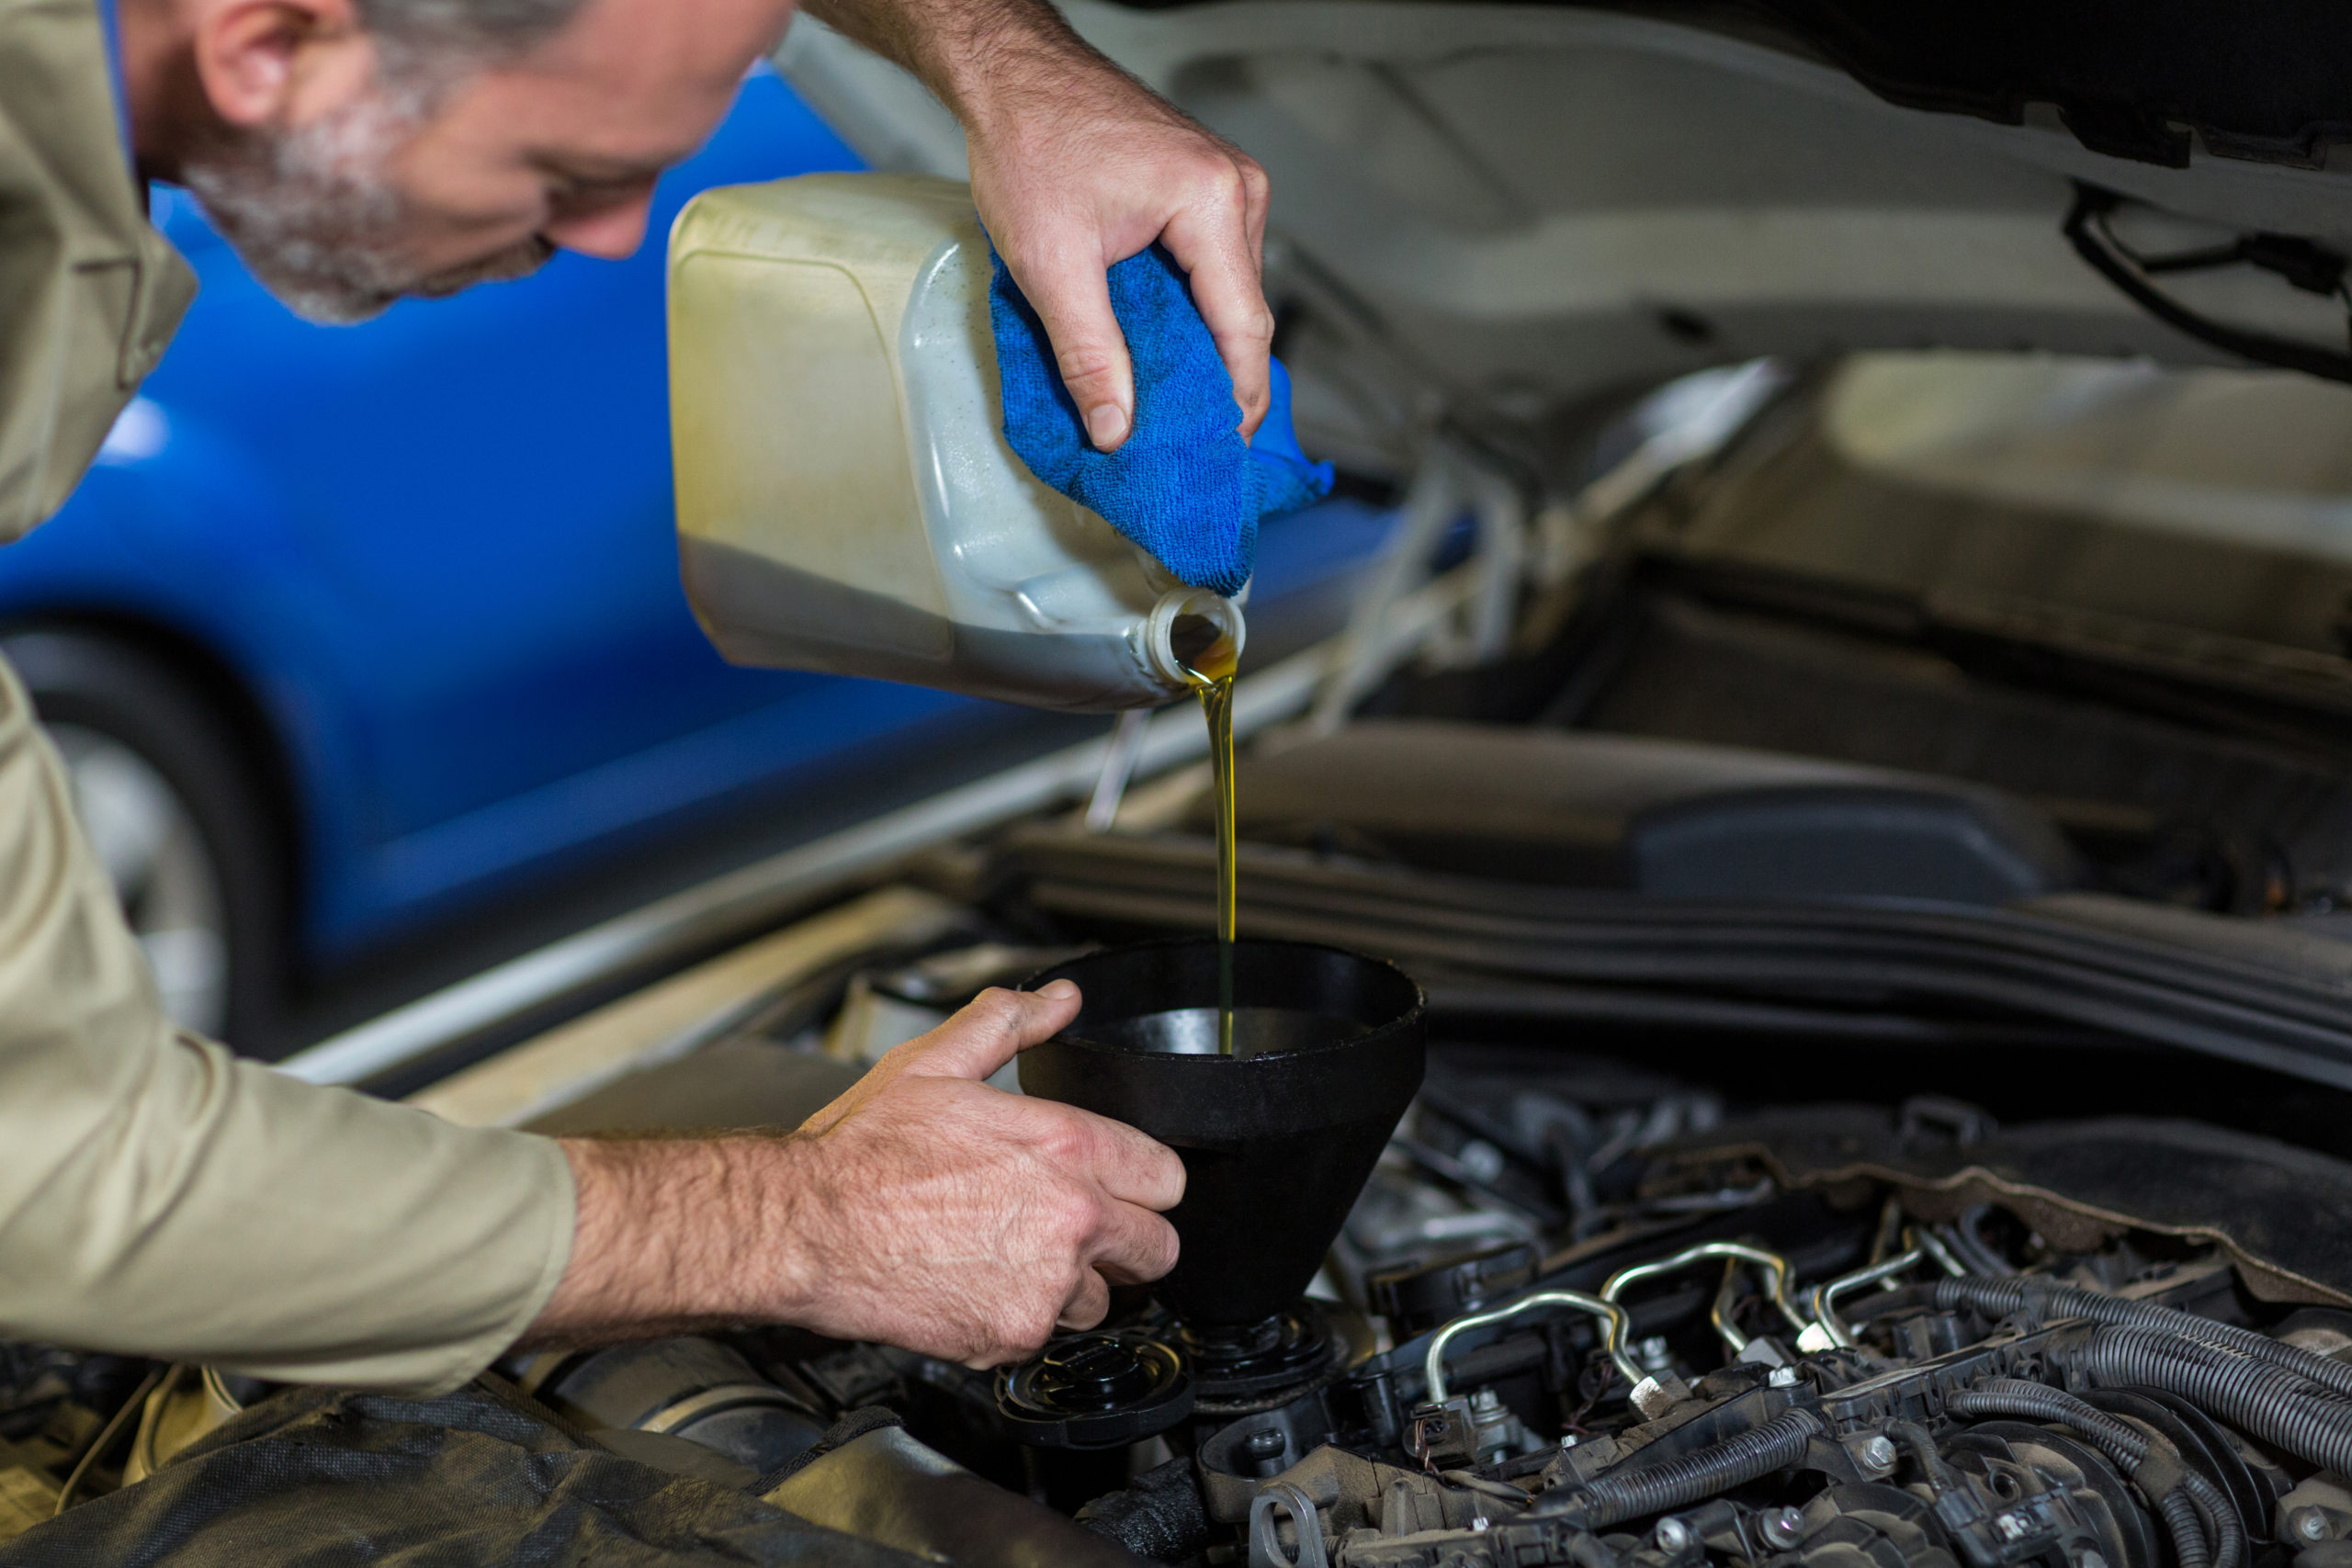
(2152,80)
(1519,207)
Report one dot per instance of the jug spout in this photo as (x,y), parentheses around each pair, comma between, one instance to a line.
(1183,623)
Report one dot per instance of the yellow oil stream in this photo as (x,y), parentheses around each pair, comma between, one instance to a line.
(1211,669)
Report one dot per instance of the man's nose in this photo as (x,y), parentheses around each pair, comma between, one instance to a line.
(613,231)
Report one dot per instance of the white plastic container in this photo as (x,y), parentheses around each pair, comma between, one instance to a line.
(846,500)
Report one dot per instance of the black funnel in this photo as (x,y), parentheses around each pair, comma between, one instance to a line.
(1277,1139)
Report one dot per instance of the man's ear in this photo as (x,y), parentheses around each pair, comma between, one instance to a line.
(266,61)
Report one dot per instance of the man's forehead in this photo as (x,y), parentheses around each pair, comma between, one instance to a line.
(660,38)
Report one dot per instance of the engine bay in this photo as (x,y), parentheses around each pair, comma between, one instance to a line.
(1828,1156)
(1588,1310)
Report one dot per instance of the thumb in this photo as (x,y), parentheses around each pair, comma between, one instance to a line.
(992,1027)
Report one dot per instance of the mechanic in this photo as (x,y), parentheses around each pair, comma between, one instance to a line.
(161,1197)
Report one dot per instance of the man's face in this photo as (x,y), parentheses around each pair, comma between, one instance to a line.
(418,174)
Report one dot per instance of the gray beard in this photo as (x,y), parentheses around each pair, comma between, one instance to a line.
(314,216)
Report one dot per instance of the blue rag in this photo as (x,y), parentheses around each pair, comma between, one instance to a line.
(1184,486)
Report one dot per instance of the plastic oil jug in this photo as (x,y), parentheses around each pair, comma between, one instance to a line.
(846,500)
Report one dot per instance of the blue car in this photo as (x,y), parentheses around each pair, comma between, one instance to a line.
(351,631)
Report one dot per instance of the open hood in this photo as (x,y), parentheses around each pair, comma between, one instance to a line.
(1522,206)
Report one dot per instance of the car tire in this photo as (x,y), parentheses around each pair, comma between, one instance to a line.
(174,801)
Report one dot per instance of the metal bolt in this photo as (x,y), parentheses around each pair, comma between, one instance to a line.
(1264,1445)
(1486,1401)
(1568,1439)
(2308,1523)
(1877,1453)
(1672,1536)
(1481,1161)
(1780,1528)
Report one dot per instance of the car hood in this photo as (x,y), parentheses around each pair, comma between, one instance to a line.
(1522,206)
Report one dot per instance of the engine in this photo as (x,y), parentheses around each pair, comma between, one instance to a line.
(1715,1403)
(1640,1338)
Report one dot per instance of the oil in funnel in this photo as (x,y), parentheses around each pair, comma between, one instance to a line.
(1276,1138)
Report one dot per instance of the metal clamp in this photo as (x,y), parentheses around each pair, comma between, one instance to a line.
(1615,1326)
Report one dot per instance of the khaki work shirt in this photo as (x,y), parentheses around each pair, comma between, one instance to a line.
(159,1196)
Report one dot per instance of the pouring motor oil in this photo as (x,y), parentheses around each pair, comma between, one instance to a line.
(846,500)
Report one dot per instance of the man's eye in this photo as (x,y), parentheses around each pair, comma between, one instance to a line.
(576,194)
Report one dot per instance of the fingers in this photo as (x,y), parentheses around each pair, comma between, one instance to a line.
(1117,1243)
(1101,171)
(1064,278)
(1218,239)
(992,1027)
(1088,1305)
(1128,1165)
(1132,1246)
(1260,190)
(1135,1168)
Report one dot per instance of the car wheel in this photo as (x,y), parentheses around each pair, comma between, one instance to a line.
(172,803)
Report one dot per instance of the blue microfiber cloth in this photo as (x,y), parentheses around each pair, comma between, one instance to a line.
(1184,485)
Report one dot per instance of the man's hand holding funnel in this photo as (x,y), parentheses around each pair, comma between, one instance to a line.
(923,1208)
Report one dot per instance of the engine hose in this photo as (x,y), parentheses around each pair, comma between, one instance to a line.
(1613,1499)
(2047,1299)
(2188,1548)
(2264,1400)
(1922,1447)
(2127,1447)
(2221,1516)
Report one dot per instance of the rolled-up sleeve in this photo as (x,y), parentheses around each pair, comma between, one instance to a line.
(159,1196)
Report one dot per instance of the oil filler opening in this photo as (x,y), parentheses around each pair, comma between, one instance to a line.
(1191,628)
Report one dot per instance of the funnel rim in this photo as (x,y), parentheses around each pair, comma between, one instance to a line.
(1410,1018)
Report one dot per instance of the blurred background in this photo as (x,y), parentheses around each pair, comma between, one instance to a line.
(366,646)
(367,652)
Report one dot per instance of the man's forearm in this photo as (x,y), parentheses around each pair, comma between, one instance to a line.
(923,1208)
(674,1235)
(966,53)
